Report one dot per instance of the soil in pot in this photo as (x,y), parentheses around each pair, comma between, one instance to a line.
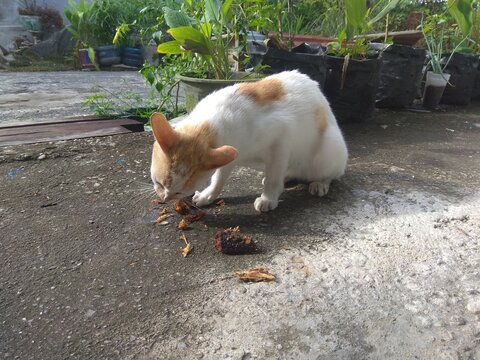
(352,95)
(400,75)
(305,58)
(434,88)
(463,69)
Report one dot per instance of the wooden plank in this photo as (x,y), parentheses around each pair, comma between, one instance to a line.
(59,120)
(67,130)
(128,123)
(39,138)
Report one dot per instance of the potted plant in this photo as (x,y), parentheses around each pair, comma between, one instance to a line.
(434,29)
(353,68)
(79,16)
(276,51)
(205,39)
(463,62)
(475,36)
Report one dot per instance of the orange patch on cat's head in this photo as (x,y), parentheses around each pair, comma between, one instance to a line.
(321,117)
(184,158)
(263,92)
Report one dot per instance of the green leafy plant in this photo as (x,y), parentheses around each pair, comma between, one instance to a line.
(358,20)
(120,103)
(208,34)
(80,18)
(435,29)
(463,13)
(277,16)
(79,15)
(147,26)
(164,83)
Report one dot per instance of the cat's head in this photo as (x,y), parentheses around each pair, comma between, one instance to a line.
(184,160)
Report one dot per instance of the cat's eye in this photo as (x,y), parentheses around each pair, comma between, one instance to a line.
(159,185)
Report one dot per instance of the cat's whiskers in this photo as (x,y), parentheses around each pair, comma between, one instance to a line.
(141,191)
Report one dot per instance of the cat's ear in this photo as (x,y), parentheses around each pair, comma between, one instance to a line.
(221,156)
(163,131)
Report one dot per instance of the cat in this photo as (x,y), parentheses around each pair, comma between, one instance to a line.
(282,123)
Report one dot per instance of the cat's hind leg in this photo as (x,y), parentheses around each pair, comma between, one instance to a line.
(329,163)
(211,192)
(319,188)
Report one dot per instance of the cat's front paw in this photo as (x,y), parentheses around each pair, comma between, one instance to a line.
(202,198)
(262,204)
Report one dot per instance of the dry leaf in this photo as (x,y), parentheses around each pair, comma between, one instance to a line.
(164,211)
(256,275)
(220,202)
(183,224)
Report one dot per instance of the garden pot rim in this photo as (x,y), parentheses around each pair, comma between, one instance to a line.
(244,77)
(376,57)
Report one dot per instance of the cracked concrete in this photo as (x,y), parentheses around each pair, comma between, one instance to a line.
(386,266)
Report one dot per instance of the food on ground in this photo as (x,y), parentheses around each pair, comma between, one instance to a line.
(232,242)
(256,275)
(188,247)
(183,224)
(182,207)
(161,218)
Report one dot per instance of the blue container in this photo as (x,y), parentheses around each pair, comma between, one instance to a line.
(108,55)
(132,57)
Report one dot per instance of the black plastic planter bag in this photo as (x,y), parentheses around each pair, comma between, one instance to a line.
(355,101)
(476,87)
(304,58)
(400,76)
(463,69)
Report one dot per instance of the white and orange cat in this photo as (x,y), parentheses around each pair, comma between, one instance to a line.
(282,123)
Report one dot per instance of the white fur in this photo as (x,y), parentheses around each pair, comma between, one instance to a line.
(283,137)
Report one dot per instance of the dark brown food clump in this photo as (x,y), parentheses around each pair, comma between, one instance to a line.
(182,207)
(232,242)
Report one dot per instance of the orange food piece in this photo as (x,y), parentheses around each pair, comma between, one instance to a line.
(188,247)
(162,218)
(187,250)
(182,207)
(255,275)
(183,224)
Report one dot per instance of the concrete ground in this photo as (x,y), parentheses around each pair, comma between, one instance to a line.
(386,266)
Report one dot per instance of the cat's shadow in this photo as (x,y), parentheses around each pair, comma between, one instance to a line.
(291,214)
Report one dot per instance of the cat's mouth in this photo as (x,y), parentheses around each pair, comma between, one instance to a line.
(167,196)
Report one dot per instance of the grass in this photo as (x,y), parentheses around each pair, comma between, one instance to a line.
(27,61)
